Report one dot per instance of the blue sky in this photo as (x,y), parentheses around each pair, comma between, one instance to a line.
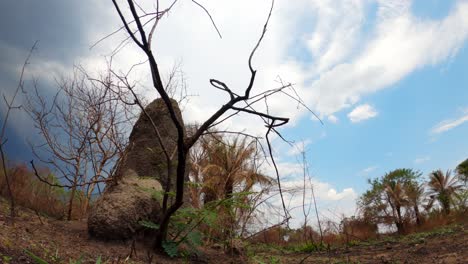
(400,135)
(387,77)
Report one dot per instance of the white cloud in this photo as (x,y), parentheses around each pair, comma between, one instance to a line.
(346,64)
(361,113)
(368,170)
(333,195)
(399,44)
(348,59)
(449,124)
(333,119)
(330,201)
(298,147)
(422,159)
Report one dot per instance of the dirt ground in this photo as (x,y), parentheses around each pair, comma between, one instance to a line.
(449,247)
(65,242)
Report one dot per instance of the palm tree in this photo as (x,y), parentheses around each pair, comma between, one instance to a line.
(229,168)
(443,187)
(397,199)
(415,195)
(228,171)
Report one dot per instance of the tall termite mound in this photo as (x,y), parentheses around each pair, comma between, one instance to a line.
(138,181)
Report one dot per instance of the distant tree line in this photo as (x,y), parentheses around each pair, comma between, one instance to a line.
(402,197)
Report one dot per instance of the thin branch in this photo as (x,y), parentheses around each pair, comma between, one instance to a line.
(211,18)
(4,125)
(40,178)
(158,17)
(286,213)
(253,72)
(126,25)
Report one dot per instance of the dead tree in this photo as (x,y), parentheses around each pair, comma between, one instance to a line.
(140,26)
(11,106)
(83,129)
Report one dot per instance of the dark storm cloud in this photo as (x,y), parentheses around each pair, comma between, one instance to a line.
(60,26)
(64,29)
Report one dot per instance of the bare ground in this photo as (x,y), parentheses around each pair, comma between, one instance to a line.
(61,242)
(67,242)
(449,245)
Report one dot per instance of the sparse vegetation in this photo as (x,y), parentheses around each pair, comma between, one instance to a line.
(194,230)
(28,191)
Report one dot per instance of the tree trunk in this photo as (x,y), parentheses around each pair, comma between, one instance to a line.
(10,193)
(70,203)
(228,194)
(399,222)
(446,206)
(87,197)
(418,216)
(161,235)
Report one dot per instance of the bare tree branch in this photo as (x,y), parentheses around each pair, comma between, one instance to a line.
(209,15)
(3,140)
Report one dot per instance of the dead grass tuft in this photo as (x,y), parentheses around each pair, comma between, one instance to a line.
(31,193)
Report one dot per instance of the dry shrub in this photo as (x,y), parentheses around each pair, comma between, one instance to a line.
(304,235)
(432,221)
(31,193)
(461,217)
(332,239)
(359,229)
(272,236)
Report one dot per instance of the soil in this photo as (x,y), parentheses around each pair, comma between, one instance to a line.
(58,241)
(68,241)
(449,247)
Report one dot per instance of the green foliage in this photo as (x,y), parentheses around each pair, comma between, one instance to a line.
(5,259)
(462,170)
(422,236)
(443,187)
(35,258)
(157,195)
(461,200)
(39,260)
(171,248)
(308,247)
(79,261)
(183,229)
(269,260)
(171,194)
(194,184)
(390,196)
(274,260)
(402,175)
(149,224)
(194,238)
(353,243)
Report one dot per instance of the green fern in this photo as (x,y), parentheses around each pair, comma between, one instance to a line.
(194,238)
(170,247)
(149,224)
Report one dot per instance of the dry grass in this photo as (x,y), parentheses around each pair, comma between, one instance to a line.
(42,198)
(438,219)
